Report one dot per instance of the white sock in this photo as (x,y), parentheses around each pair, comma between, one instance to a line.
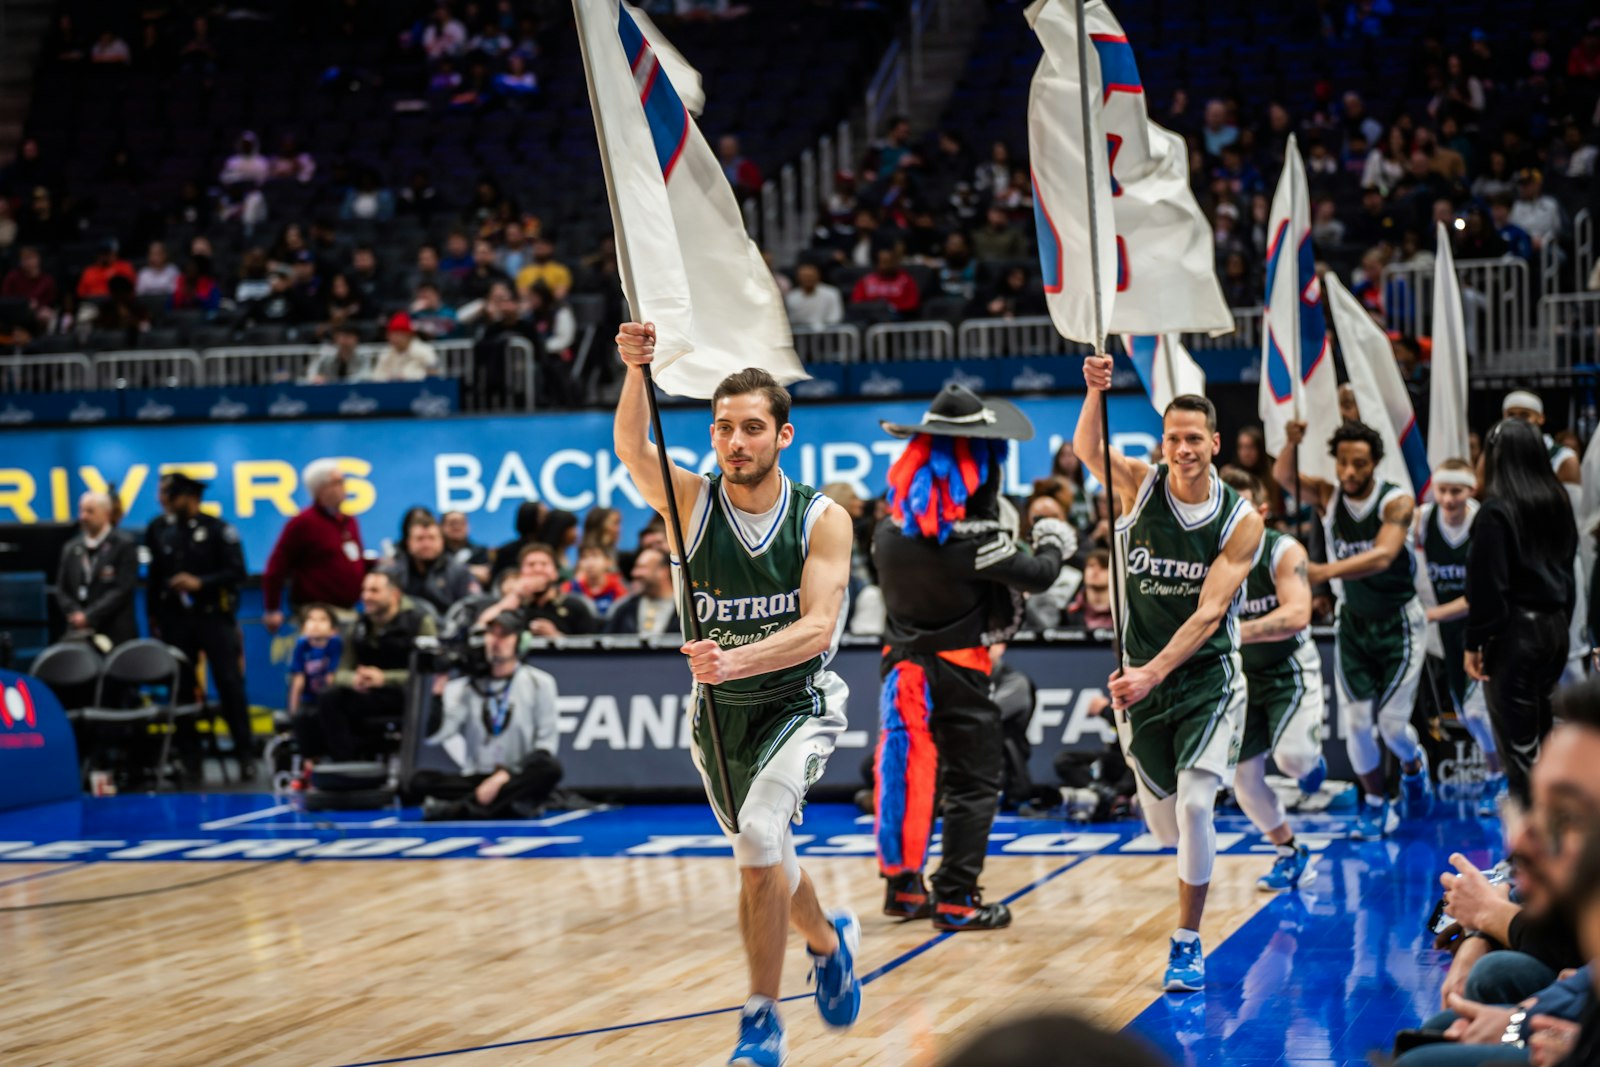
(1186,937)
(1376,802)
(1286,850)
(757,1002)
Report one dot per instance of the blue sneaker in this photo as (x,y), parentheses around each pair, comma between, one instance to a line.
(1416,791)
(1312,782)
(1374,822)
(1186,968)
(1291,871)
(761,1040)
(838,988)
(1489,800)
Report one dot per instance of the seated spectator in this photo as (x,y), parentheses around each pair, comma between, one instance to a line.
(1535,212)
(1091,608)
(344,362)
(95,282)
(499,323)
(159,275)
(247,166)
(538,598)
(597,579)
(367,199)
(99,575)
(365,274)
(602,526)
(530,518)
(111,49)
(544,267)
(430,317)
(425,572)
(28,281)
(812,303)
(444,36)
(958,277)
(318,558)
(342,303)
(253,282)
(369,688)
(419,198)
(1218,129)
(484,274)
(560,531)
(459,547)
(197,287)
(653,608)
(740,170)
(405,359)
(290,163)
(555,331)
(503,734)
(280,306)
(316,656)
(998,239)
(1518,241)
(428,272)
(516,82)
(889,283)
(122,312)
(1013,297)
(456,261)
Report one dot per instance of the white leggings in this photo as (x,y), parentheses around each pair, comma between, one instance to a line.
(766,835)
(1256,797)
(1186,820)
(1474,712)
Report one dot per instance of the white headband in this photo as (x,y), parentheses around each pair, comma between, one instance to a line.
(1522,399)
(1455,477)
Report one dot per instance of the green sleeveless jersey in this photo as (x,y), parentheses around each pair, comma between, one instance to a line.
(1167,549)
(1446,556)
(744,580)
(1350,534)
(1261,598)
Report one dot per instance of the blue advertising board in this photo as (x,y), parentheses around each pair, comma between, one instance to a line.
(485,466)
(433,398)
(38,757)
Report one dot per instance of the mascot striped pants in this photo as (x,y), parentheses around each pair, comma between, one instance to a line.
(938,730)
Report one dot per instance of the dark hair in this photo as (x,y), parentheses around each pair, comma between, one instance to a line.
(594,523)
(534,548)
(1241,481)
(1192,402)
(756,380)
(1101,557)
(326,609)
(557,524)
(1586,875)
(530,516)
(1517,476)
(1041,1039)
(1579,704)
(412,516)
(1357,433)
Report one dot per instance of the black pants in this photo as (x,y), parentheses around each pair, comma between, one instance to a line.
(529,787)
(1524,664)
(964,725)
(348,723)
(217,636)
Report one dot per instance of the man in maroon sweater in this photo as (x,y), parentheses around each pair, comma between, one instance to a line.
(319,554)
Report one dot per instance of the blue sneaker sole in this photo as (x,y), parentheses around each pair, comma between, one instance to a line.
(1183,985)
(849,929)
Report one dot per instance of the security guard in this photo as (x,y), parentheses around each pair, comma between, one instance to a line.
(196,565)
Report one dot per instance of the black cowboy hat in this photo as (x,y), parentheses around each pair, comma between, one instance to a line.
(959,412)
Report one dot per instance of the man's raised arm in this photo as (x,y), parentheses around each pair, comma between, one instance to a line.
(1088,443)
(1318,490)
(636,343)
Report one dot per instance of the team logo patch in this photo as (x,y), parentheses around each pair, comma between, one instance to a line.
(813,769)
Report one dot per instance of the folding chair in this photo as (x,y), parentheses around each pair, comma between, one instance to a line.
(145,662)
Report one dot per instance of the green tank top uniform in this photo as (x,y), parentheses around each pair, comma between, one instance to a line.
(1261,599)
(1446,555)
(1351,532)
(1168,548)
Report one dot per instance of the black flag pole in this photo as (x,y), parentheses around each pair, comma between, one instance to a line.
(691,619)
(1099,330)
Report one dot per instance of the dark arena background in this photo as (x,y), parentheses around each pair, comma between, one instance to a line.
(298,292)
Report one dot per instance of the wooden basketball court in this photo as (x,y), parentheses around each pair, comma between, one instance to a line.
(565,961)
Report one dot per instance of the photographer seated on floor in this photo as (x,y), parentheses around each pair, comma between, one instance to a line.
(501,730)
(369,688)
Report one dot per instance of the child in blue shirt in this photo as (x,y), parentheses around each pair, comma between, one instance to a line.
(315,657)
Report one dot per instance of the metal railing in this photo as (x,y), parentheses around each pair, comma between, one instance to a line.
(261,365)
(513,386)
(1501,331)
(828,344)
(1582,249)
(1032,335)
(1571,326)
(1246,333)
(161,369)
(893,341)
(67,373)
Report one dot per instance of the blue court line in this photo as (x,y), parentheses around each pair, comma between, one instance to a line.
(44,874)
(893,965)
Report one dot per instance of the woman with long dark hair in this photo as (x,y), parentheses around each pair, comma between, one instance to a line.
(1520,592)
(1250,454)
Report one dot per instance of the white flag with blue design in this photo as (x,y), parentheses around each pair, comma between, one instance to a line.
(686,262)
(1165,367)
(1297,376)
(1380,391)
(1447,382)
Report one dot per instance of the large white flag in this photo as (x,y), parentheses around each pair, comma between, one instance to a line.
(1297,376)
(1165,367)
(686,262)
(1380,391)
(1062,204)
(1447,384)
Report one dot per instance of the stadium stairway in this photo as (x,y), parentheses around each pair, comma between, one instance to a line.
(946,45)
(24,25)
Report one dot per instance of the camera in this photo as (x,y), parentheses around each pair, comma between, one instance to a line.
(464,652)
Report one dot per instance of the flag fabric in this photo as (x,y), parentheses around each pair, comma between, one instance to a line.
(1062,198)
(1380,391)
(1447,384)
(1297,375)
(1156,243)
(1165,367)
(684,257)
(1166,256)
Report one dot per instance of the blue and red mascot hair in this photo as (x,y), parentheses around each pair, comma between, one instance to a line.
(934,478)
